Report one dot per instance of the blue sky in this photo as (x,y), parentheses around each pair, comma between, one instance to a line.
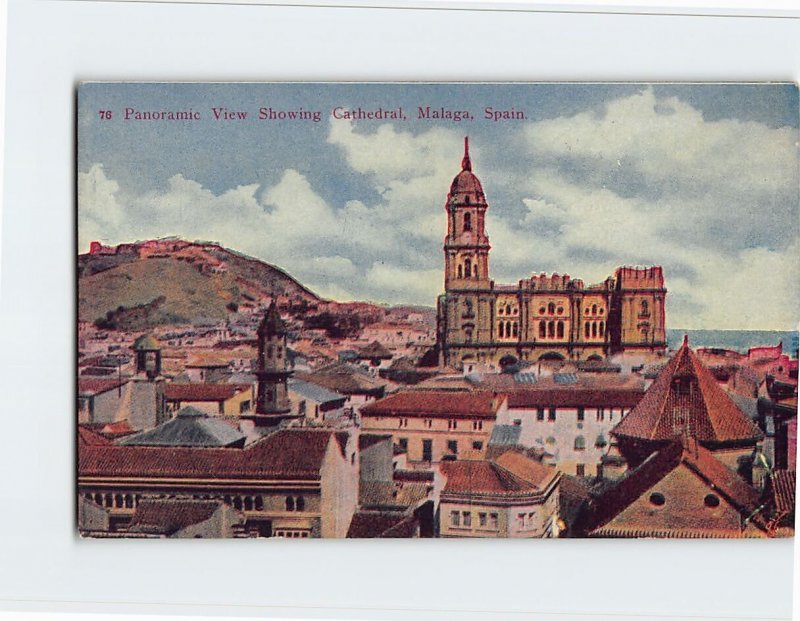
(702,179)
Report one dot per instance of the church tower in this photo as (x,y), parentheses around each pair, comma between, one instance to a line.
(466,247)
(272,370)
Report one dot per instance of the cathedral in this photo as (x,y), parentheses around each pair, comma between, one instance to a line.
(544,317)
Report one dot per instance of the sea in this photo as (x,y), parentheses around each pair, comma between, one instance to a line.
(737,340)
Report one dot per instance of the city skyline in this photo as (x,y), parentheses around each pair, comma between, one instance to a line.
(593,177)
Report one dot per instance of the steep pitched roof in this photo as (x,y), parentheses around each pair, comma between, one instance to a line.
(190,427)
(433,403)
(203,392)
(612,501)
(285,454)
(685,399)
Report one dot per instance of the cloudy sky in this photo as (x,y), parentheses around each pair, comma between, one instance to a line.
(701,179)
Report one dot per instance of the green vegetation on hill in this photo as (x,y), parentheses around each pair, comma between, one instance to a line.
(132,292)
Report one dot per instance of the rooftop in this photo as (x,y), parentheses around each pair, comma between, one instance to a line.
(434,403)
(190,427)
(687,387)
(284,454)
(203,392)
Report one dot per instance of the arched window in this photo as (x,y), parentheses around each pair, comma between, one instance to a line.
(542,329)
(560,329)
(460,272)
(248,503)
(602,328)
(508,329)
(300,503)
(594,329)
(118,501)
(467,221)
(467,267)
(501,329)
(586,330)
(508,309)
(594,309)
(580,443)
(259,504)
(551,309)
(645,308)
(515,329)
(237,503)
(551,329)
(475,270)
(289,503)
(128,501)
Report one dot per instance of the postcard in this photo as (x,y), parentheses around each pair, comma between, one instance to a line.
(420,310)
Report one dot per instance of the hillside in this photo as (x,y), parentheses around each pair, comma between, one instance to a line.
(171,281)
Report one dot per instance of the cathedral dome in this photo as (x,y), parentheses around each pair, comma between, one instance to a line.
(465,182)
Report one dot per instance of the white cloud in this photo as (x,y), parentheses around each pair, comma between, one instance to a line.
(648,182)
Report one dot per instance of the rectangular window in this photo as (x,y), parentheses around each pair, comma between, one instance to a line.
(551,415)
(477,446)
(467,517)
(517,422)
(403,443)
(244,406)
(493,523)
(428,423)
(580,470)
(580,413)
(455,518)
(427,450)
(540,414)
(482,519)
(452,446)
(520,520)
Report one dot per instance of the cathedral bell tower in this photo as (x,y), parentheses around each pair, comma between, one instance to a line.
(466,247)
(272,370)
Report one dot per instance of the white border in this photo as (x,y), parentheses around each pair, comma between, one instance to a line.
(51,45)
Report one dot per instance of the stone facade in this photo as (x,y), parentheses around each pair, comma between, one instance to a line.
(541,317)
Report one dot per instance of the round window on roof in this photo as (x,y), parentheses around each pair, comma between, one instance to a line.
(657,499)
(711,501)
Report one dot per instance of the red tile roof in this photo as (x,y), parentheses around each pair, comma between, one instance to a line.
(436,403)
(203,392)
(286,454)
(618,398)
(614,500)
(529,470)
(87,437)
(706,413)
(90,386)
(516,475)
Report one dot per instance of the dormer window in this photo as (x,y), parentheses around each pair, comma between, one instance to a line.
(682,385)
